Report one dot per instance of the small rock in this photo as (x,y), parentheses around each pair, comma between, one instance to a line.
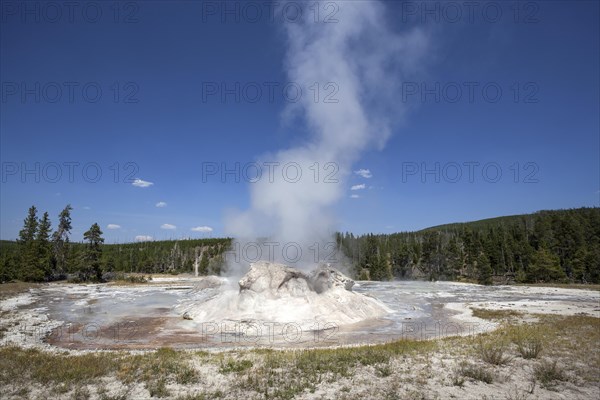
(186,315)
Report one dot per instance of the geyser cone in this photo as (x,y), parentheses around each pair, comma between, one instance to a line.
(276,293)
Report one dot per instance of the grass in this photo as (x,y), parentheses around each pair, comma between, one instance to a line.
(549,373)
(516,394)
(63,372)
(495,314)
(474,372)
(529,341)
(285,374)
(232,365)
(582,286)
(18,365)
(493,350)
(122,279)
(156,368)
(11,289)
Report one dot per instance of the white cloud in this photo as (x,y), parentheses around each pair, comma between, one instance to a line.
(161,204)
(141,183)
(168,226)
(358,187)
(202,229)
(354,196)
(113,226)
(143,238)
(365,173)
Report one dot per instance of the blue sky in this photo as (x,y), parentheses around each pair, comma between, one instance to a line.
(157,120)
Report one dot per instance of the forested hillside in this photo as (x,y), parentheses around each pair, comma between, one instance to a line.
(548,246)
(172,256)
(43,254)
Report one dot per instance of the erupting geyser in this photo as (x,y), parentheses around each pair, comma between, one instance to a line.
(275,293)
(298,208)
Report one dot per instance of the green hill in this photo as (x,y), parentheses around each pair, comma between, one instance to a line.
(546,246)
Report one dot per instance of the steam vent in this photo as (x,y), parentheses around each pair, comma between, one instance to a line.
(272,292)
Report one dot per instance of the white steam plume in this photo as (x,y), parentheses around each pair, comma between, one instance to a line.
(366,61)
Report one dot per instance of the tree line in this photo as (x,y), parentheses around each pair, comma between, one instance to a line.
(548,246)
(40,254)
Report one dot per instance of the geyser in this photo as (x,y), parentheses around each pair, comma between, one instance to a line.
(365,58)
(276,293)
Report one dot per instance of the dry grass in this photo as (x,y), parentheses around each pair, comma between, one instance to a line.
(583,286)
(484,313)
(493,350)
(548,373)
(529,341)
(12,289)
(122,279)
(474,372)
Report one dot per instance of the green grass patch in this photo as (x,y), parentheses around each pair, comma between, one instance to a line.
(21,366)
(237,366)
(485,313)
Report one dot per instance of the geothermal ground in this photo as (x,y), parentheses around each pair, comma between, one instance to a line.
(266,308)
(424,339)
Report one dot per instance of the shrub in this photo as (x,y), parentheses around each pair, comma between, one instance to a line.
(474,372)
(529,342)
(232,365)
(493,352)
(547,373)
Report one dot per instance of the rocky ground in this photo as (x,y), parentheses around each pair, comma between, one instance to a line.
(537,350)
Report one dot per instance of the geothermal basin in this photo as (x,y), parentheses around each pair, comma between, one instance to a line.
(271,306)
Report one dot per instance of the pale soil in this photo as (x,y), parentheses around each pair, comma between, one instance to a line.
(421,375)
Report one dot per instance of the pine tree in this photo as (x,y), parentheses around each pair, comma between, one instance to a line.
(60,240)
(372,259)
(203,269)
(44,247)
(484,269)
(92,267)
(28,248)
(545,267)
(8,266)
(455,259)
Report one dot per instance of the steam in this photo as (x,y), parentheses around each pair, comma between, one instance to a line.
(358,64)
